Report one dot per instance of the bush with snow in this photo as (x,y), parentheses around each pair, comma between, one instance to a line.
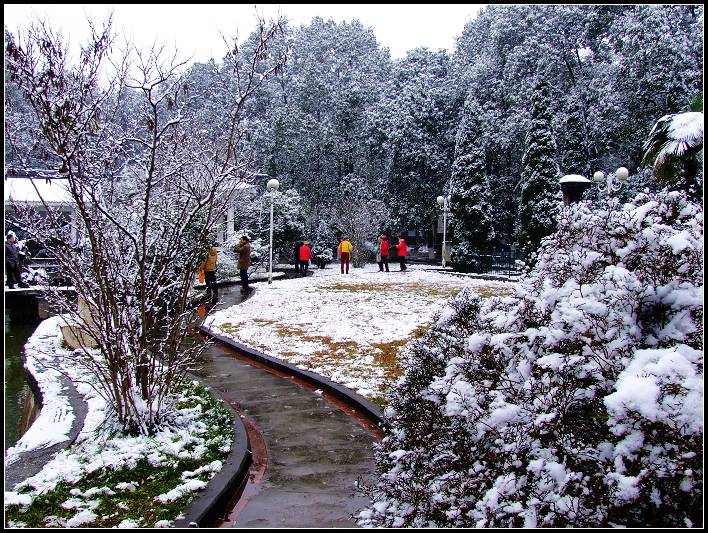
(576,402)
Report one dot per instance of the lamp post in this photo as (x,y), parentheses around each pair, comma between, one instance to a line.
(272,186)
(444,203)
(607,183)
(573,187)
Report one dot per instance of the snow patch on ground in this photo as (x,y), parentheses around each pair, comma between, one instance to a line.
(339,326)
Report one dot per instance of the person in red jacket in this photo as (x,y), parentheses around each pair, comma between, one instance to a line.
(402,252)
(383,253)
(305,255)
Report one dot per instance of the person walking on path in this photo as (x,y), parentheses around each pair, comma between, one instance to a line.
(382,255)
(12,261)
(402,252)
(345,252)
(243,248)
(305,255)
(209,267)
(296,256)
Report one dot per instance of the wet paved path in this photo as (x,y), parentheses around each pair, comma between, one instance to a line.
(316,453)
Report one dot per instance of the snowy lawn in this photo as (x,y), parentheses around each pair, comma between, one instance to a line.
(349,328)
(107,479)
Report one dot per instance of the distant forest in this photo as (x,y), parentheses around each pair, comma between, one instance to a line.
(343,123)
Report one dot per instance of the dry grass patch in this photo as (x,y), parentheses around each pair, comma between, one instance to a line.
(424,289)
(231,329)
(490,291)
(355,361)
(357,287)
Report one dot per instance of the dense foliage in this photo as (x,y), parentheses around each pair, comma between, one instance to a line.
(471,208)
(540,173)
(343,109)
(576,402)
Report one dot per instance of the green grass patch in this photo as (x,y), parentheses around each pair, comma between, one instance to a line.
(112,504)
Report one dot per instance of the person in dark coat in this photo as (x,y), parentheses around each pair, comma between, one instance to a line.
(12,262)
(296,256)
(243,248)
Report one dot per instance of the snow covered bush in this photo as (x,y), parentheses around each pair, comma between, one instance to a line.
(577,402)
(465,257)
(322,255)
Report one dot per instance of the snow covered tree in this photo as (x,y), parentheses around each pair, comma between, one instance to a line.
(148,184)
(624,65)
(576,402)
(288,219)
(649,75)
(539,178)
(417,118)
(470,206)
(360,216)
(574,158)
(335,73)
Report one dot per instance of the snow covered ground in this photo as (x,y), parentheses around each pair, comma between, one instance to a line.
(349,328)
(98,447)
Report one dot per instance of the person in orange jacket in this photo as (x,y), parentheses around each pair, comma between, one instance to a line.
(345,252)
(402,248)
(305,255)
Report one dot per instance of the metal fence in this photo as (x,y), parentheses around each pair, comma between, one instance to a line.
(503,263)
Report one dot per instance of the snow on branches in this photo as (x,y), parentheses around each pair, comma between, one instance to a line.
(147,183)
(575,403)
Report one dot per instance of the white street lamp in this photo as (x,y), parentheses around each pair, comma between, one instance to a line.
(444,203)
(608,184)
(272,186)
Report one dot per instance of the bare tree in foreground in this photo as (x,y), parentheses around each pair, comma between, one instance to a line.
(149,176)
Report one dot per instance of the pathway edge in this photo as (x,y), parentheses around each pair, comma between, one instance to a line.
(372,412)
(233,474)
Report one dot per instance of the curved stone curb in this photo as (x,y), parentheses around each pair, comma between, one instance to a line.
(31,462)
(232,475)
(371,411)
(203,508)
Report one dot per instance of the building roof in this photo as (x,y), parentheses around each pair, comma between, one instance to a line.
(33,186)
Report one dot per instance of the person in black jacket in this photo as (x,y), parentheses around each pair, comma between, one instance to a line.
(12,261)
(296,256)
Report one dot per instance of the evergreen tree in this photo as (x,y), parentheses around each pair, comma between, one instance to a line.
(419,116)
(575,156)
(540,174)
(471,209)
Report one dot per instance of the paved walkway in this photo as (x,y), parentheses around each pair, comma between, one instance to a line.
(315,452)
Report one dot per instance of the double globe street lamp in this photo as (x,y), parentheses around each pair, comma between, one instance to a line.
(574,185)
(444,203)
(608,184)
(272,187)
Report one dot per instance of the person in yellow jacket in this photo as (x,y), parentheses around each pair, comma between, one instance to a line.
(209,267)
(345,252)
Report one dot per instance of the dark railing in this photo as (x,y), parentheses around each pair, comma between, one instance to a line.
(500,263)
